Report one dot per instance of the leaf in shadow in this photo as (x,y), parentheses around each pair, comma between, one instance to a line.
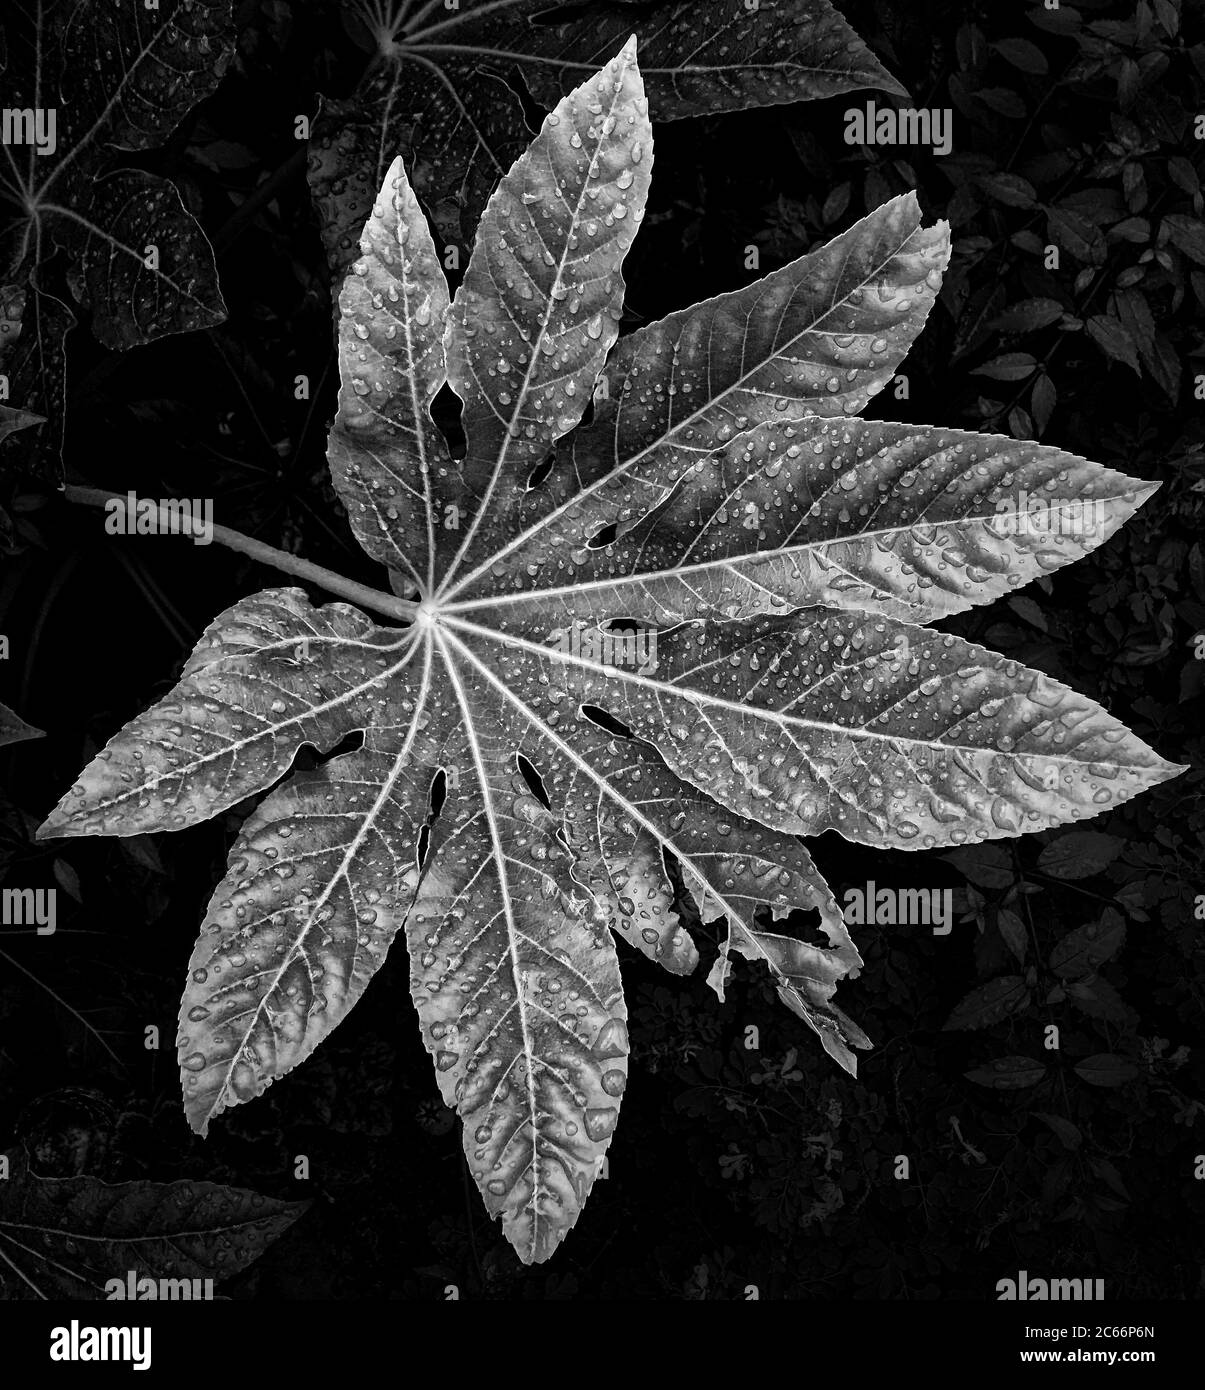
(447,90)
(65,1237)
(104,81)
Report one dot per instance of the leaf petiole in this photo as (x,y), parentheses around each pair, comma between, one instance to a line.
(267,555)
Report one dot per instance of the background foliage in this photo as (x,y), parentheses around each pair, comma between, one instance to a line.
(1073,127)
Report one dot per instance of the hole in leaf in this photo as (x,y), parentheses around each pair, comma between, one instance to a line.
(606,721)
(533,779)
(541,471)
(445,411)
(436,798)
(308,757)
(803,924)
(611,532)
(439,792)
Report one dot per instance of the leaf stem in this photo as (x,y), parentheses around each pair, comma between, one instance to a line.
(266,555)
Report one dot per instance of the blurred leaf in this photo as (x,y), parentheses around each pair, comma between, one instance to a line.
(1012,929)
(1110,335)
(1076,235)
(1086,948)
(1106,1069)
(1079,854)
(1098,999)
(1026,315)
(1107,1170)
(1042,401)
(1067,1132)
(1187,234)
(67,879)
(1023,54)
(989,866)
(1026,608)
(988,1004)
(1009,189)
(1008,1073)
(1002,102)
(1009,366)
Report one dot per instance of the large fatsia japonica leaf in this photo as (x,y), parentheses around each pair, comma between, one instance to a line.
(643,661)
(446,89)
(90,84)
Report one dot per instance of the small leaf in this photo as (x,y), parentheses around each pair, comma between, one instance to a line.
(1023,54)
(1002,101)
(1042,401)
(1079,854)
(1113,339)
(1008,994)
(1097,998)
(67,879)
(1106,1069)
(1069,1134)
(989,866)
(1008,1073)
(1107,1170)
(1074,233)
(1010,189)
(1087,948)
(1009,366)
(1026,608)
(1012,929)
(1187,234)
(1027,315)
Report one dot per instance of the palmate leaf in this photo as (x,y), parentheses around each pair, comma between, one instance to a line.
(118,80)
(445,89)
(643,661)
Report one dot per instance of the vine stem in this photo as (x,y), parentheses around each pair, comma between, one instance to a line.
(266,554)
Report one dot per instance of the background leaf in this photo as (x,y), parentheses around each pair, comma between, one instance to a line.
(990,1003)
(1079,854)
(444,96)
(1106,1069)
(1008,1073)
(120,80)
(1088,947)
(65,1237)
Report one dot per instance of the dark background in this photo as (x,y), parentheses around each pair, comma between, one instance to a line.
(731,1166)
